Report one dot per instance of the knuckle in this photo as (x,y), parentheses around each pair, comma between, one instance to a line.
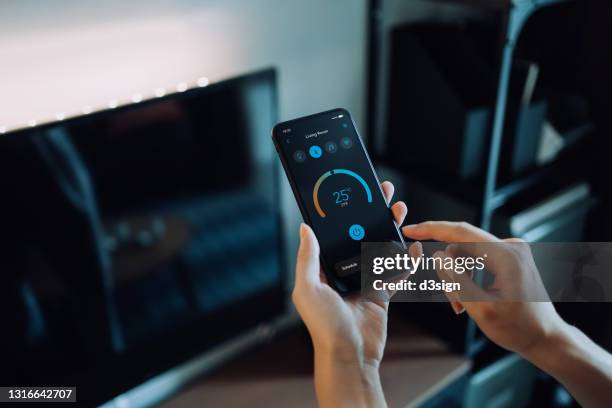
(488,313)
(463,225)
(430,225)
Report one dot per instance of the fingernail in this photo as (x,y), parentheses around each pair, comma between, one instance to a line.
(302,230)
(439,254)
(410,226)
(418,245)
(457,308)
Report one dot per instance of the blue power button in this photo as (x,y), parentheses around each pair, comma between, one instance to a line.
(315,151)
(356,232)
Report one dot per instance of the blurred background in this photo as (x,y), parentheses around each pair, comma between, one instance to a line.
(148,233)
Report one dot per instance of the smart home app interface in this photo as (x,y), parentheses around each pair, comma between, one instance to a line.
(338,190)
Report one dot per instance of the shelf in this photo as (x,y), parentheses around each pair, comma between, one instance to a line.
(477,346)
(487,4)
(549,173)
(562,168)
(573,136)
(417,366)
(573,156)
(512,189)
(502,4)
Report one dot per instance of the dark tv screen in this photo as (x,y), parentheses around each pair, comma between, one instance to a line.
(137,237)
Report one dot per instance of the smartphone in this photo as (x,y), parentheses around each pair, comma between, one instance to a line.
(337,190)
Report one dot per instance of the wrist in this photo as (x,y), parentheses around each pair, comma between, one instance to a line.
(348,377)
(346,358)
(547,352)
(339,351)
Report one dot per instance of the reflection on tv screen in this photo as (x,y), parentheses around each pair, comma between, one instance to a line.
(136,237)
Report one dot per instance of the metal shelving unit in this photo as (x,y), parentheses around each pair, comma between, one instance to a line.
(514,15)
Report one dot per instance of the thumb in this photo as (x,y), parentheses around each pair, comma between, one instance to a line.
(307,270)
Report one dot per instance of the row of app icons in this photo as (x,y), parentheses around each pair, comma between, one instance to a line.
(316,151)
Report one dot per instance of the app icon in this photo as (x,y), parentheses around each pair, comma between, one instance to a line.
(299,156)
(356,232)
(331,147)
(346,142)
(315,152)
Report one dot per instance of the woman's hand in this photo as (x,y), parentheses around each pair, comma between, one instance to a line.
(507,317)
(503,310)
(348,334)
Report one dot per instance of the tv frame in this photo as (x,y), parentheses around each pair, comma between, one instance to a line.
(118,383)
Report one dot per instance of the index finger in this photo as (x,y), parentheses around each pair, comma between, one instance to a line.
(445,231)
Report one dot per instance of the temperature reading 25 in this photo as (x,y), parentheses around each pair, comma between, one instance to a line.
(342,196)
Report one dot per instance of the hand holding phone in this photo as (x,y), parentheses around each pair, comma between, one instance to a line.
(346,331)
(337,191)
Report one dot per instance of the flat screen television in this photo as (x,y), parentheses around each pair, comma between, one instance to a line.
(137,237)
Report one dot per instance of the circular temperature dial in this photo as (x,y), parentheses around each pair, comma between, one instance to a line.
(341,196)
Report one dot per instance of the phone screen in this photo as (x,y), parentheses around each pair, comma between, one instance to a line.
(337,190)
